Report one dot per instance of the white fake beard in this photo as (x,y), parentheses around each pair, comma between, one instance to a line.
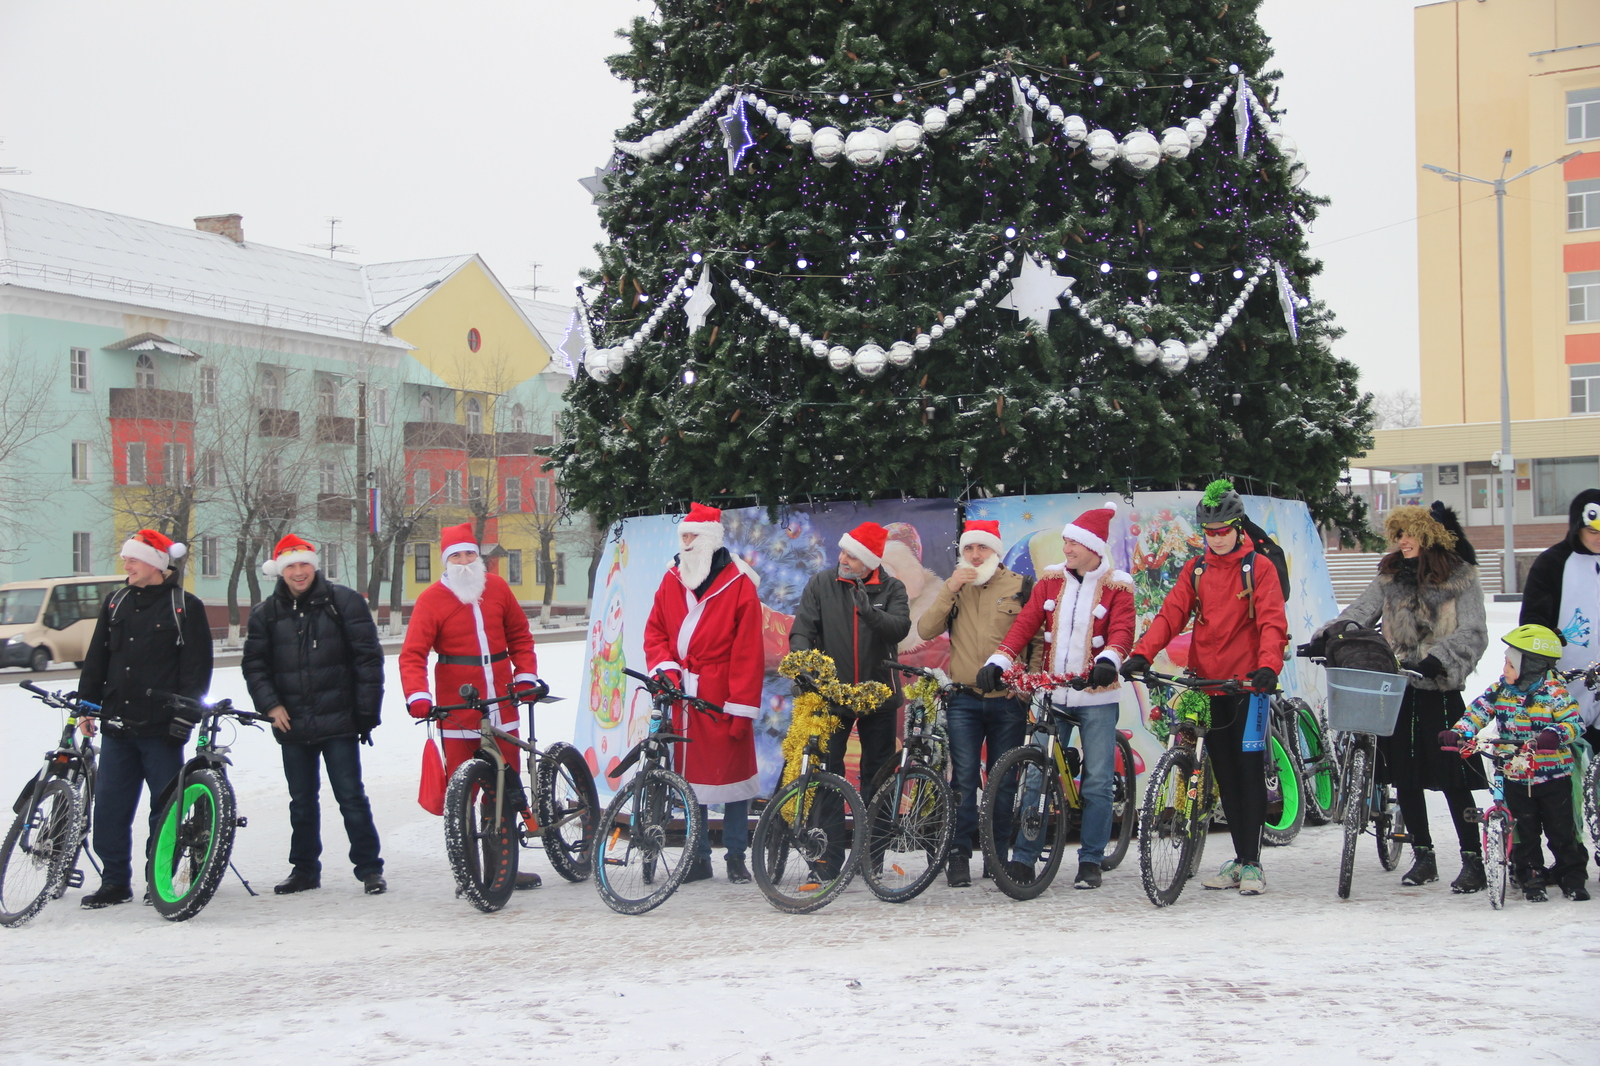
(694,563)
(466,580)
(987,570)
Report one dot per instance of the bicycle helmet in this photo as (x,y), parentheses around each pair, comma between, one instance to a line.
(1220,505)
(1533,651)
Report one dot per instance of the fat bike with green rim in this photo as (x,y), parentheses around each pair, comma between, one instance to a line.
(1286,788)
(193,844)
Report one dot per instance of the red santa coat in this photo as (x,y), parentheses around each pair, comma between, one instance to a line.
(494,631)
(715,643)
(1082,620)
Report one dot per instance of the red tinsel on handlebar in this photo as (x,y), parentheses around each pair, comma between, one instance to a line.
(1018,679)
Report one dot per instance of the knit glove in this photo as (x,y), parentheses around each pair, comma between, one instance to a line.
(1264,679)
(1547,740)
(740,728)
(419,708)
(989,675)
(1103,674)
(1429,667)
(1135,666)
(1450,740)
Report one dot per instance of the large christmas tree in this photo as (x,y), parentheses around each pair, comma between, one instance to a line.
(842,234)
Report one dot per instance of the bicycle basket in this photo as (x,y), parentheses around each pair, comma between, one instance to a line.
(1364,701)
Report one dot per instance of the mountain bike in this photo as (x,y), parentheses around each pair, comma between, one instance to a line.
(810,837)
(1362,706)
(1287,804)
(193,846)
(1181,799)
(487,817)
(1032,802)
(641,855)
(910,813)
(39,858)
(1317,753)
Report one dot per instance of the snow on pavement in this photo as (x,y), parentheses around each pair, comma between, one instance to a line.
(718,976)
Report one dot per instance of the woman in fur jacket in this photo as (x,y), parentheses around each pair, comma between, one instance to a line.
(1431,605)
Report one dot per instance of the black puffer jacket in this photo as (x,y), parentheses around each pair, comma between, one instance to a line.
(858,641)
(317,656)
(135,649)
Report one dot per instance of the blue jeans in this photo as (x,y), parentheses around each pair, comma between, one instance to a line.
(126,764)
(1099,727)
(735,831)
(973,722)
(302,765)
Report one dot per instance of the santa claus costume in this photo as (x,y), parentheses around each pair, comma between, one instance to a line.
(472,620)
(705,631)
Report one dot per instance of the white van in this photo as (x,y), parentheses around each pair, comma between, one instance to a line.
(51,619)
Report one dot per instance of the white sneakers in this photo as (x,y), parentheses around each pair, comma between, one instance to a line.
(1246,877)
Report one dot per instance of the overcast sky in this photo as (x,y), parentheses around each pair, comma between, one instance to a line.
(434,129)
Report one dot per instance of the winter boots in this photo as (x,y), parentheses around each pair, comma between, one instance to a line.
(1472,877)
(527,881)
(958,871)
(699,869)
(374,885)
(107,896)
(1424,867)
(1088,875)
(297,882)
(738,872)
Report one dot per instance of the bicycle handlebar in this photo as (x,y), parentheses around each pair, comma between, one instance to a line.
(1229,685)
(70,702)
(660,688)
(221,707)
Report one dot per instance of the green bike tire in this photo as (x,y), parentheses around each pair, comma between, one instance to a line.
(1286,808)
(1319,769)
(193,843)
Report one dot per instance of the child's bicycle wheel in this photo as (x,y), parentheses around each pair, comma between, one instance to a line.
(1390,825)
(808,842)
(568,809)
(1497,854)
(193,842)
(482,850)
(910,820)
(641,855)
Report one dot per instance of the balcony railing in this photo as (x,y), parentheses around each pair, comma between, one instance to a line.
(334,507)
(335,429)
(432,435)
(163,404)
(274,422)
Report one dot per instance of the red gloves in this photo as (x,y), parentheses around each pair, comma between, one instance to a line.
(420,708)
(740,728)
(1450,740)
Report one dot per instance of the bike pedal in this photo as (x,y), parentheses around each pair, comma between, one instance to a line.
(75,879)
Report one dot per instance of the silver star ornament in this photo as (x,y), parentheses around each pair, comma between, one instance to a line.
(700,303)
(1035,291)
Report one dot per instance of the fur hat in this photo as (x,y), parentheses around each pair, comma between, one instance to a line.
(982,532)
(157,549)
(1420,523)
(1452,525)
(291,549)
(1092,527)
(704,522)
(866,542)
(457,539)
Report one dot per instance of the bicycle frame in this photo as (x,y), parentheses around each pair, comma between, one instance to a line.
(74,758)
(489,750)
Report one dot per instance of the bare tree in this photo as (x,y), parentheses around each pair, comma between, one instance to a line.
(28,416)
(1396,409)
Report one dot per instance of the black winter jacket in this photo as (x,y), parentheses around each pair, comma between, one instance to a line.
(857,641)
(316,655)
(135,648)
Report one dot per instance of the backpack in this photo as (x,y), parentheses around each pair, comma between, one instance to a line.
(1355,647)
(177,607)
(1264,545)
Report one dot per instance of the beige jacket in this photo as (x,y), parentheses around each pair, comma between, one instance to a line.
(982,615)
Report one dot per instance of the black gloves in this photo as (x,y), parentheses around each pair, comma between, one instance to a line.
(989,676)
(1430,667)
(365,737)
(1135,666)
(1264,680)
(1103,674)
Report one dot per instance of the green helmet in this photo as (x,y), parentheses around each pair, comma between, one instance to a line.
(1536,640)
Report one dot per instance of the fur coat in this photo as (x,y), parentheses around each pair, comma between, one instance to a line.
(1445,621)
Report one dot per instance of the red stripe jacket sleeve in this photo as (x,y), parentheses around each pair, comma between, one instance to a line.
(1120,623)
(1174,615)
(1029,621)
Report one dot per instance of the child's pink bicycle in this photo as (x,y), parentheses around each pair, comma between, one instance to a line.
(1497,821)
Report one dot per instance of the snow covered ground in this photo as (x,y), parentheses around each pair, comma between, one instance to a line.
(717,976)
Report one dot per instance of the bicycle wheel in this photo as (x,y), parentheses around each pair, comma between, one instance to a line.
(808,842)
(1358,787)
(1390,826)
(568,809)
(481,848)
(910,820)
(640,856)
(1024,811)
(194,840)
(1124,804)
(1497,855)
(41,842)
(1591,798)
(1319,766)
(1286,809)
(1167,824)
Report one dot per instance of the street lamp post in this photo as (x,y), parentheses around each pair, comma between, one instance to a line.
(1508,462)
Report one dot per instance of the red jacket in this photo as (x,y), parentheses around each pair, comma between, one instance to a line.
(495,625)
(1082,620)
(1228,643)
(715,642)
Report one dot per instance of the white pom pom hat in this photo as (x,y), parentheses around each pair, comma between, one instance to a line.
(157,549)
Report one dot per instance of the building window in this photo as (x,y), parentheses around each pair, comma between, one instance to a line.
(452,486)
(1557,481)
(514,567)
(1583,204)
(271,388)
(78,369)
(519,419)
(327,397)
(474,415)
(1586,389)
(475,489)
(208,386)
(136,471)
(422,567)
(421,488)
(210,556)
(561,570)
(82,553)
(541,495)
(380,407)
(513,501)
(426,408)
(272,474)
(1583,296)
(474,340)
(329,558)
(80,460)
(330,477)
(1583,115)
(175,464)
(144,372)
(210,470)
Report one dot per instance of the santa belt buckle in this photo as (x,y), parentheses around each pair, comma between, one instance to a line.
(472,660)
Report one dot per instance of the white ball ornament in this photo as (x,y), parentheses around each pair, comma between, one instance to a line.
(629,345)
(1174,356)
(1033,92)
(793,331)
(949,322)
(905,136)
(959,313)
(1196,131)
(901,354)
(870,360)
(1208,118)
(923,342)
(596,366)
(805,339)
(1175,143)
(1145,351)
(1076,129)
(1010,256)
(1122,339)
(616,359)
(936,331)
(935,121)
(955,107)
(800,131)
(1140,152)
(840,357)
(1289,148)
(1103,148)
(969,95)
(1198,351)
(1109,329)
(863,148)
(1043,103)
(819,349)
(827,145)
(1055,114)
(784,122)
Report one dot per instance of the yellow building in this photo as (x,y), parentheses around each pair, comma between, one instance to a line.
(1493,75)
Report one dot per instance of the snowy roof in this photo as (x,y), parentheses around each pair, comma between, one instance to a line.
(55,247)
(550,319)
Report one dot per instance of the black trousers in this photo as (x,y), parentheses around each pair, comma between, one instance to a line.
(1548,809)
(1241,776)
(877,731)
(1414,808)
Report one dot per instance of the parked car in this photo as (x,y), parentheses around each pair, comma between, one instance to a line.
(51,619)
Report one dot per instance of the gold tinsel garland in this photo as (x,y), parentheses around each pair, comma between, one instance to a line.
(812,714)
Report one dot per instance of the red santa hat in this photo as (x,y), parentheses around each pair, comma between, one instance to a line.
(705,523)
(157,549)
(866,543)
(291,549)
(1092,527)
(457,539)
(982,532)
